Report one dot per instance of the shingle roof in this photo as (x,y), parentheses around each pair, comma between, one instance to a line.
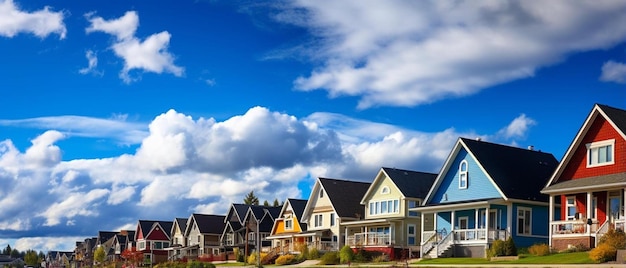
(210,224)
(519,173)
(298,206)
(345,196)
(182,223)
(618,116)
(617,179)
(104,236)
(146,226)
(414,184)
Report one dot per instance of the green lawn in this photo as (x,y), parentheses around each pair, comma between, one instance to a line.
(558,258)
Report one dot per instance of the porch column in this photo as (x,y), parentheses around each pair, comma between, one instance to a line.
(550,218)
(623,201)
(487,222)
(421,229)
(589,198)
(476,219)
(509,218)
(345,235)
(452,215)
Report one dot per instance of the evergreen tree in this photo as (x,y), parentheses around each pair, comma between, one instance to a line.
(7,250)
(251,199)
(31,258)
(276,203)
(265,203)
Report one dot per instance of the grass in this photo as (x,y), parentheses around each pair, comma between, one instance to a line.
(557,258)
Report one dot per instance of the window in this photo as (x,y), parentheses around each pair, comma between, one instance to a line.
(523,221)
(571,208)
(157,245)
(332,219)
(321,193)
(198,239)
(142,245)
(463,175)
(413,204)
(318,220)
(384,207)
(385,190)
(600,153)
(289,224)
(410,234)
(229,239)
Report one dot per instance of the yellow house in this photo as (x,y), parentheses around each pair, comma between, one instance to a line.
(287,226)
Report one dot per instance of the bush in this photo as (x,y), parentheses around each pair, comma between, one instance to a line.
(252,258)
(603,253)
(539,250)
(314,254)
(304,252)
(497,249)
(238,255)
(509,247)
(380,258)
(614,238)
(329,258)
(346,254)
(285,259)
(198,264)
(362,256)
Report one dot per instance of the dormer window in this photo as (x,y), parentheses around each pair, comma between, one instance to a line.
(463,175)
(384,190)
(600,153)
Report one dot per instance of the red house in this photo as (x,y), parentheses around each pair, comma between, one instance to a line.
(590,182)
(152,238)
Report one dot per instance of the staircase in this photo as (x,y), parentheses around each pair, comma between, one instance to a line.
(442,248)
(271,256)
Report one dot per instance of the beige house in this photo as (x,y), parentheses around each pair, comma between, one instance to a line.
(389,227)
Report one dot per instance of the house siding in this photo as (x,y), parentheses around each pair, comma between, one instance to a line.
(539,228)
(479,186)
(600,130)
(394,194)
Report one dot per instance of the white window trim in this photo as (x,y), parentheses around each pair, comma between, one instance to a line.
(409,235)
(385,190)
(567,206)
(598,144)
(530,226)
(289,226)
(392,205)
(463,175)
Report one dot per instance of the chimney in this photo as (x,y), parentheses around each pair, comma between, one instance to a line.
(530,147)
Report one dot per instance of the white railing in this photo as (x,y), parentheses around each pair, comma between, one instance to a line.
(429,241)
(573,227)
(324,245)
(444,243)
(369,239)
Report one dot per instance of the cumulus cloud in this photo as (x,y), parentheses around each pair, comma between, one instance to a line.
(187,164)
(149,55)
(92,61)
(40,23)
(613,72)
(518,127)
(407,53)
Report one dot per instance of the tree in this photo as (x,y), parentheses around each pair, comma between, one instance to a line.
(133,256)
(7,250)
(251,199)
(265,203)
(31,258)
(15,253)
(276,203)
(99,255)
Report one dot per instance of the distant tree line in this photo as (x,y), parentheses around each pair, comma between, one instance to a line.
(251,199)
(30,257)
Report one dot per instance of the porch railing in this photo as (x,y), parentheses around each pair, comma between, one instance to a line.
(573,227)
(369,239)
(444,244)
(324,245)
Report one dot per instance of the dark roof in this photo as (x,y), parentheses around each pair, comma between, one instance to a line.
(209,224)
(519,173)
(345,196)
(240,210)
(617,179)
(258,212)
(274,212)
(104,236)
(618,116)
(147,225)
(298,206)
(182,223)
(414,184)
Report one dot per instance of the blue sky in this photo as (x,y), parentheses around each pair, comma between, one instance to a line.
(126,110)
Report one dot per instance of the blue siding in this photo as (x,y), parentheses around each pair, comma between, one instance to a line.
(443,221)
(539,226)
(479,186)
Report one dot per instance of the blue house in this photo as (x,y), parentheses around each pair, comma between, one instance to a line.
(486,192)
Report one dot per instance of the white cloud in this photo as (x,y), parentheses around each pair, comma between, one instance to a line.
(40,23)
(46,244)
(186,165)
(518,128)
(92,61)
(150,55)
(613,72)
(406,53)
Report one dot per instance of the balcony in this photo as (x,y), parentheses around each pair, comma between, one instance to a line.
(369,239)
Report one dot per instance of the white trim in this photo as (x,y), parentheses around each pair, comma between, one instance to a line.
(463,174)
(530,225)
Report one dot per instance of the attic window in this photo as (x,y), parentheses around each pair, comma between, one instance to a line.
(600,153)
(321,193)
(385,190)
(463,180)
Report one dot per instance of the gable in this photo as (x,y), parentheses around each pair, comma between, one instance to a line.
(599,130)
(157,233)
(383,189)
(479,185)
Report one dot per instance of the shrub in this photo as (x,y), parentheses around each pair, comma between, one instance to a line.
(314,254)
(198,264)
(614,238)
(509,247)
(285,259)
(238,255)
(603,253)
(252,258)
(346,254)
(304,252)
(329,258)
(539,250)
(380,258)
(497,249)
(362,256)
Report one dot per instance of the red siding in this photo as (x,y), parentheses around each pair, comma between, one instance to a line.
(157,234)
(600,130)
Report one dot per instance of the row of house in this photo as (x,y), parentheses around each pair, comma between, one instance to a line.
(483,192)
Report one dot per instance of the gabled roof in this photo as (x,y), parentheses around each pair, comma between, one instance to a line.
(104,236)
(345,196)
(237,210)
(297,206)
(207,224)
(181,223)
(614,116)
(412,184)
(146,226)
(517,173)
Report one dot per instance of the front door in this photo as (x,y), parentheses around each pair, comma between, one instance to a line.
(463,225)
(615,206)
